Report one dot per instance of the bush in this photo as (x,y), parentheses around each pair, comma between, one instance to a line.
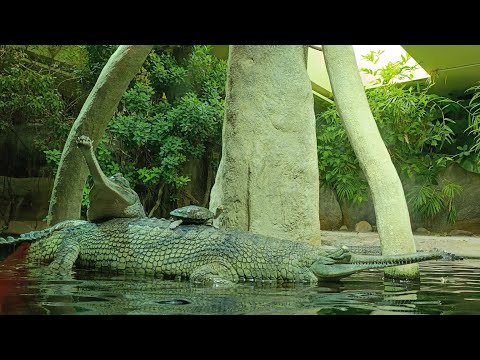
(417,130)
(29,95)
(172,112)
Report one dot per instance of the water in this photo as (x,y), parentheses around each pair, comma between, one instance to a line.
(446,288)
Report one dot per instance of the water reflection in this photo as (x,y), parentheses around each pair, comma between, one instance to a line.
(398,298)
(445,288)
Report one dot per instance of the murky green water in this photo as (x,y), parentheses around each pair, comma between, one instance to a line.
(445,288)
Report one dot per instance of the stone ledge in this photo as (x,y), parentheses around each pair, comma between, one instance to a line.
(468,246)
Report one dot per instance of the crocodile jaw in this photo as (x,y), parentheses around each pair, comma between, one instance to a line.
(359,263)
(337,271)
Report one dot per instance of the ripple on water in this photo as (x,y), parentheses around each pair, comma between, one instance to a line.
(445,288)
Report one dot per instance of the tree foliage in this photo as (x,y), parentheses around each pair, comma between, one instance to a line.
(417,128)
(95,59)
(29,95)
(474,118)
(172,112)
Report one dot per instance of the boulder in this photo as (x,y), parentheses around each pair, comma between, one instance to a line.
(343,228)
(421,231)
(363,226)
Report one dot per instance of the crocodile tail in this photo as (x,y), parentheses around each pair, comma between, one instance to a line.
(10,240)
(40,234)
(30,236)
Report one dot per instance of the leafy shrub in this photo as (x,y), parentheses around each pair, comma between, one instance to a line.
(428,200)
(416,127)
(171,112)
(28,94)
(474,120)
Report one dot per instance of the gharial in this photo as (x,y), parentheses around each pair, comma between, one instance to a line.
(199,253)
(110,197)
(131,242)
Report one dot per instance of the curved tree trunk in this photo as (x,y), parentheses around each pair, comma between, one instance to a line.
(267,181)
(65,202)
(393,221)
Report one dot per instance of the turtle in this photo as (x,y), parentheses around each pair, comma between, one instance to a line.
(192,214)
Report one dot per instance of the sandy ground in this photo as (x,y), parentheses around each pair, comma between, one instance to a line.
(467,246)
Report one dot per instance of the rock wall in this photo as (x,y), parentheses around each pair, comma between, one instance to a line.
(354,213)
(330,211)
(467,204)
(24,203)
(19,158)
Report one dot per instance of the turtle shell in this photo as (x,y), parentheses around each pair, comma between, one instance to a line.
(192,213)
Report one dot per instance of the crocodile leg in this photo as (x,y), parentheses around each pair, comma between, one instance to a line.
(40,234)
(175,224)
(217,273)
(66,256)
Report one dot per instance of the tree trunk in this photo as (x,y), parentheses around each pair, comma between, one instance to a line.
(65,202)
(268,181)
(393,221)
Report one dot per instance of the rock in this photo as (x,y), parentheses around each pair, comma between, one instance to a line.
(363,226)
(421,231)
(460,233)
(343,228)
(267,181)
(330,212)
